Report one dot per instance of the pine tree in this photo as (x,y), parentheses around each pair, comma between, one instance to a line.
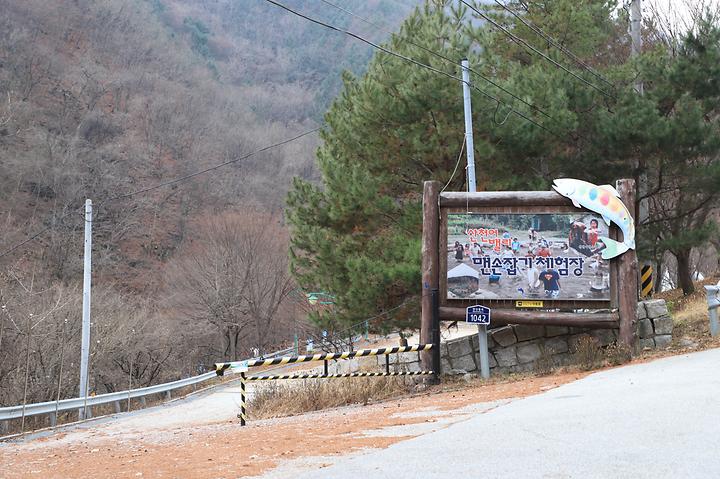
(358,234)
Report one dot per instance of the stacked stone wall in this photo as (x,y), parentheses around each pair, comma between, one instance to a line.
(517,348)
(654,325)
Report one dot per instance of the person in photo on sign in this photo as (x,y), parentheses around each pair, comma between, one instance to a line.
(551,281)
(593,233)
(459,252)
(515,245)
(578,239)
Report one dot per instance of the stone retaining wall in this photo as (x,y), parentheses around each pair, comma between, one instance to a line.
(517,348)
(654,325)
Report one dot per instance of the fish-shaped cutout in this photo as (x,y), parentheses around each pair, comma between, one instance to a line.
(605,201)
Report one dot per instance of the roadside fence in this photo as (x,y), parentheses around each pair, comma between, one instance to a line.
(242,367)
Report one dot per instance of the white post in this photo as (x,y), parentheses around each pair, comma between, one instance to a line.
(85,345)
(472,188)
(713,305)
(469,146)
(635,50)
(636,36)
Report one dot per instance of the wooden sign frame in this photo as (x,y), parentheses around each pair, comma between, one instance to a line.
(620,311)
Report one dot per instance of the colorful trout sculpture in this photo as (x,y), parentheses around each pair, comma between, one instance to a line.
(605,201)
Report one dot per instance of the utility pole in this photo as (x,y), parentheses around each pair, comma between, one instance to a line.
(85,345)
(635,36)
(642,177)
(470,148)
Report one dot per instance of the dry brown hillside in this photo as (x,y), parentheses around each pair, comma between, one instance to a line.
(101,99)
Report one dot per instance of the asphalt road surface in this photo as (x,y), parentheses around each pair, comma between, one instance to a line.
(654,420)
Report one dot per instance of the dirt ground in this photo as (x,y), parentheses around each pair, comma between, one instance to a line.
(225,450)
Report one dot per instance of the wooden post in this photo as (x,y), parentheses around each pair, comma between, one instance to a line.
(502,317)
(627,274)
(430,265)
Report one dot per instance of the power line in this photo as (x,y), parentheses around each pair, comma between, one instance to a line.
(160,185)
(409,59)
(35,235)
(524,43)
(439,55)
(556,44)
(212,168)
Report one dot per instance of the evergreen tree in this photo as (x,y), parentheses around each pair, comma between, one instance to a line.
(358,235)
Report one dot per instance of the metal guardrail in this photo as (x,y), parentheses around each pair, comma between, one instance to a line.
(50,407)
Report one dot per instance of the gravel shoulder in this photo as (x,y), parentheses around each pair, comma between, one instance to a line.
(180,440)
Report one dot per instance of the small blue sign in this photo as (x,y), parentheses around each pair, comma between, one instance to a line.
(478,315)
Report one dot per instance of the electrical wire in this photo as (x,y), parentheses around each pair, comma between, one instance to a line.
(410,60)
(35,235)
(160,185)
(555,44)
(462,148)
(443,57)
(212,168)
(524,43)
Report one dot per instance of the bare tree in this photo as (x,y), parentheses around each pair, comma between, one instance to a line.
(235,279)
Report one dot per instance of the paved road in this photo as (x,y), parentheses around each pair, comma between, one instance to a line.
(652,420)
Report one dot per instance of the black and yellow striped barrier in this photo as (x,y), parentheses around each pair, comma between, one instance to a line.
(220,368)
(242,367)
(646,280)
(341,375)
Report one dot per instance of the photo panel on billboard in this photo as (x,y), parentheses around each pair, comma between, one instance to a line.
(511,256)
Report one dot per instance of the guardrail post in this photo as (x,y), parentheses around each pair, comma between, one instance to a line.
(53,419)
(387,363)
(242,399)
(713,305)
(143,401)
(168,395)
(325,367)
(118,409)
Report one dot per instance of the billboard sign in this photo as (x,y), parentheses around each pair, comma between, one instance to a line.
(527,257)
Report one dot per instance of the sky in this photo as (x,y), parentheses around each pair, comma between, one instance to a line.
(677,11)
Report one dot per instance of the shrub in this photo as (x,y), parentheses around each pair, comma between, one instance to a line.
(587,353)
(545,364)
(617,354)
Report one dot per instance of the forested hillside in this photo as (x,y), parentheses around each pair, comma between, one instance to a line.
(103,99)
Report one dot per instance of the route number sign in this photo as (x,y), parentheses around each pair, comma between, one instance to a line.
(478,315)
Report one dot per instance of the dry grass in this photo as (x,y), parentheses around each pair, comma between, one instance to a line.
(691,323)
(277,399)
(617,354)
(587,353)
(545,364)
